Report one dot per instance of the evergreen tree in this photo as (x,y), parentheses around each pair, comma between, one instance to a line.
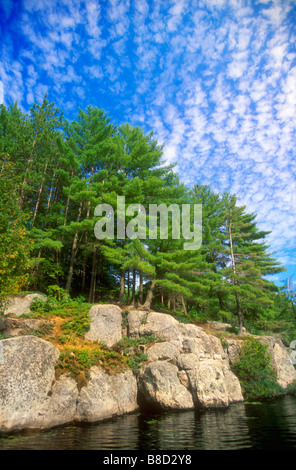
(53,176)
(249,261)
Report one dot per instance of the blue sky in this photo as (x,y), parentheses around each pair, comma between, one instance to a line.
(214,79)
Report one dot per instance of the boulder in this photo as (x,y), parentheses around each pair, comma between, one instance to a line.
(21,304)
(187,368)
(59,407)
(163,351)
(105,324)
(234,350)
(31,397)
(162,325)
(218,326)
(135,319)
(106,395)
(213,385)
(26,377)
(160,387)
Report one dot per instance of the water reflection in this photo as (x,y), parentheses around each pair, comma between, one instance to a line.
(273,425)
(270,425)
(225,429)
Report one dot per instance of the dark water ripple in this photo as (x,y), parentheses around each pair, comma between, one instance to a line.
(271,425)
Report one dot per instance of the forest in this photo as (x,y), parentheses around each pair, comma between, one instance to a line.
(54,173)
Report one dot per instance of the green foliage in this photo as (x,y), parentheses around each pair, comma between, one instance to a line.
(77,326)
(54,173)
(291,389)
(132,348)
(254,370)
(74,361)
(15,242)
(61,304)
(224,342)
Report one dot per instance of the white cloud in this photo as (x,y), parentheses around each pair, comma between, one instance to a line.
(215,80)
(93,14)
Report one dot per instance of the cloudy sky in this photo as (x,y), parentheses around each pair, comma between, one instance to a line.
(214,79)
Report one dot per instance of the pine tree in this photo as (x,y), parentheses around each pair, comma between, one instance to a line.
(249,261)
(88,138)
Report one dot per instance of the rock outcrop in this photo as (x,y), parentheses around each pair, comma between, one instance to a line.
(160,387)
(21,304)
(280,360)
(280,357)
(105,324)
(31,397)
(26,377)
(107,395)
(11,327)
(186,368)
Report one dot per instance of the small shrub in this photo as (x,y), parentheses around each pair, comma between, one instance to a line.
(74,361)
(42,306)
(134,362)
(291,389)
(131,349)
(78,325)
(253,368)
(56,292)
(224,342)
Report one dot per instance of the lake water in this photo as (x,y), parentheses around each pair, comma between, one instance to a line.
(270,425)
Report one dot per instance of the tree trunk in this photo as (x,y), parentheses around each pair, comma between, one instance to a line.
(239,315)
(84,259)
(141,288)
(128,286)
(238,307)
(183,304)
(50,195)
(73,253)
(122,287)
(149,297)
(83,276)
(68,203)
(39,196)
(92,290)
(134,287)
